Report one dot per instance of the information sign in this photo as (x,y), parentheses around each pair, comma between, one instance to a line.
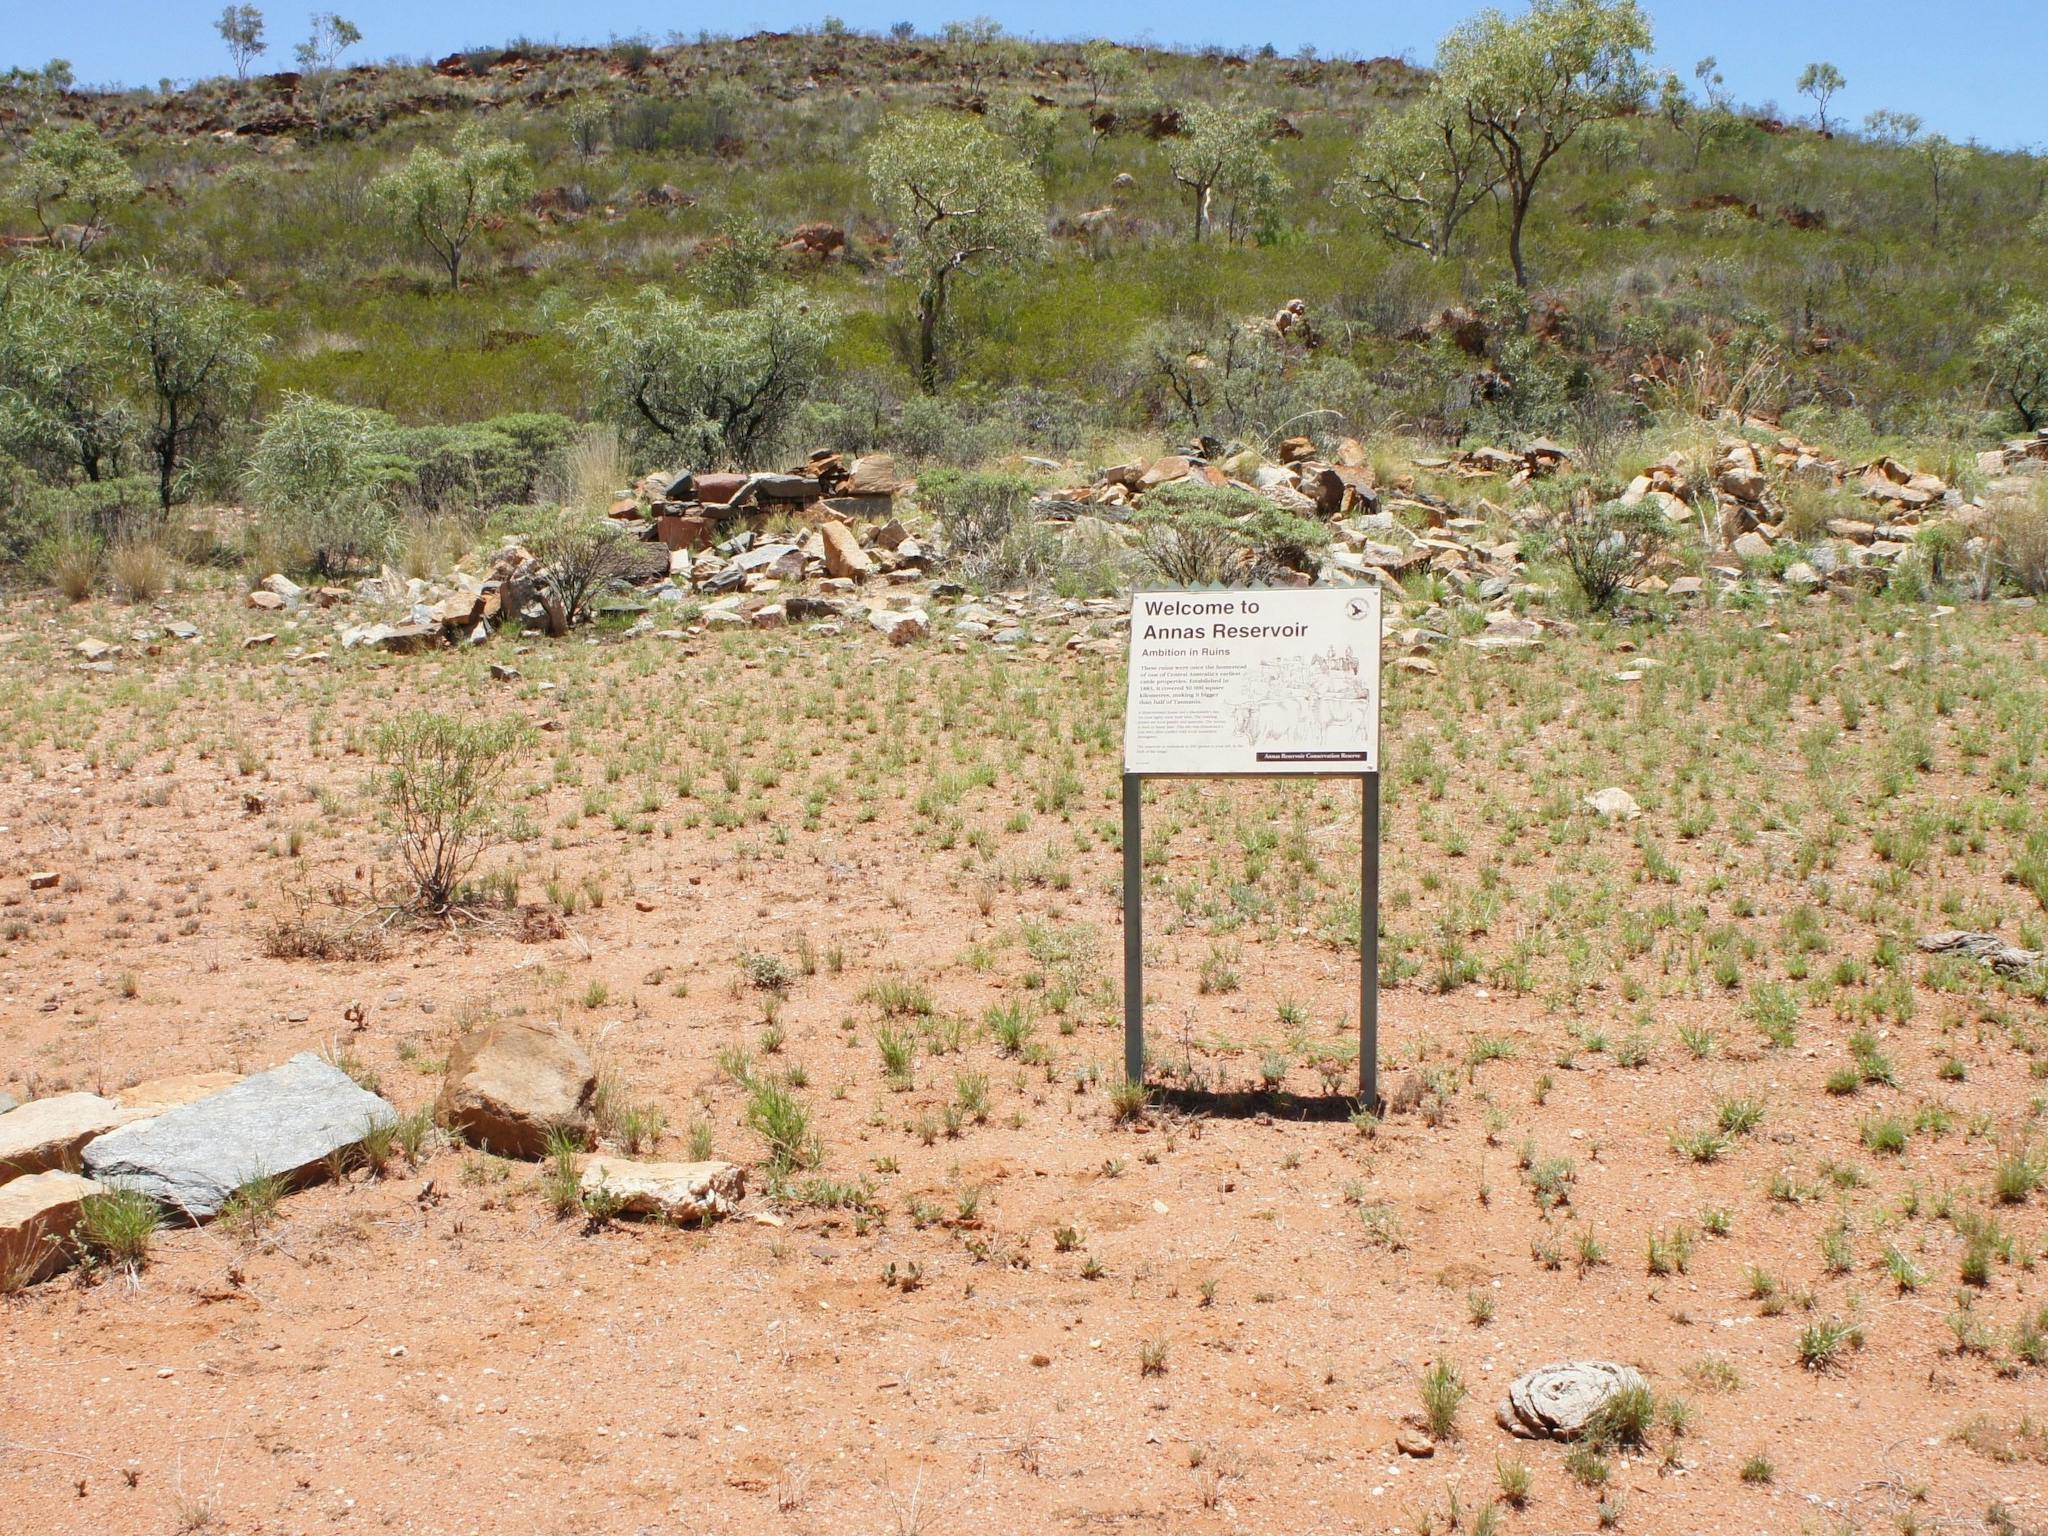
(1256,682)
(1234,684)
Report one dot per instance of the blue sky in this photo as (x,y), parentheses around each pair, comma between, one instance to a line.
(1970,68)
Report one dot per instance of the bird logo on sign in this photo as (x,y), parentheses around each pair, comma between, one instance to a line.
(1357,608)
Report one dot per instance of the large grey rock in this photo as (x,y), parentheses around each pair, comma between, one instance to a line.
(1557,1402)
(282,1122)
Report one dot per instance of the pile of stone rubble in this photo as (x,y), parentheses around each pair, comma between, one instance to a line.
(840,546)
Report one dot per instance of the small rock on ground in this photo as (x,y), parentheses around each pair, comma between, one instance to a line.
(513,1082)
(1410,1441)
(1556,1402)
(2006,959)
(1613,803)
(675,1191)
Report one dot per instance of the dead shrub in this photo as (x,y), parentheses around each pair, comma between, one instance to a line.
(2019,529)
(302,936)
(72,563)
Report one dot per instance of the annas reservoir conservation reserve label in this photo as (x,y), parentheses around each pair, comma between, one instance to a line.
(1282,681)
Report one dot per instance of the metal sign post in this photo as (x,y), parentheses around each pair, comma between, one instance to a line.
(1253,684)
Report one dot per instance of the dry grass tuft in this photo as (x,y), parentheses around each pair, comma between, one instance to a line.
(142,569)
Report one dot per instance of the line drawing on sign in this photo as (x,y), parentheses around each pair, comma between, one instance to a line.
(1303,702)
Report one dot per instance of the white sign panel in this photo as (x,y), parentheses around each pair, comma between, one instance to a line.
(1283,681)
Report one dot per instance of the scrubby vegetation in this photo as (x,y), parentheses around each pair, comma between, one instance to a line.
(1057,244)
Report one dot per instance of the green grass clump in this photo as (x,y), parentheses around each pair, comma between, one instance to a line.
(782,1121)
(1443,1392)
(117,1226)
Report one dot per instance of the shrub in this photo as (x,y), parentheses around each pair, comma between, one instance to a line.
(976,512)
(715,387)
(1606,545)
(694,124)
(2014,356)
(2019,531)
(1233,381)
(945,429)
(1443,1390)
(995,542)
(781,1120)
(559,1180)
(443,202)
(21,526)
(1623,1420)
(442,790)
(494,463)
(71,562)
(108,511)
(1195,533)
(979,514)
(581,555)
(323,477)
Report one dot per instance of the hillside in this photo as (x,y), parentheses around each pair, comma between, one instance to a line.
(1818,253)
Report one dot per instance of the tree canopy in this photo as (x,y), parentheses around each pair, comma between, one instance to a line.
(73,171)
(1820,81)
(717,386)
(241,28)
(2015,358)
(63,369)
(957,198)
(1417,173)
(1222,151)
(442,200)
(196,348)
(1527,85)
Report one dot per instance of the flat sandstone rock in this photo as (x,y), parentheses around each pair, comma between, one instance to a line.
(283,1122)
(36,1214)
(164,1093)
(51,1133)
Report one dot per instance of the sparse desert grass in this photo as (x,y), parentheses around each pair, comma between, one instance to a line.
(141,569)
(1859,1211)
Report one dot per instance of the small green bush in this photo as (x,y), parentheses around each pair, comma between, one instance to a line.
(976,512)
(442,790)
(781,1120)
(324,478)
(1607,545)
(109,511)
(492,463)
(1197,534)
(117,1226)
